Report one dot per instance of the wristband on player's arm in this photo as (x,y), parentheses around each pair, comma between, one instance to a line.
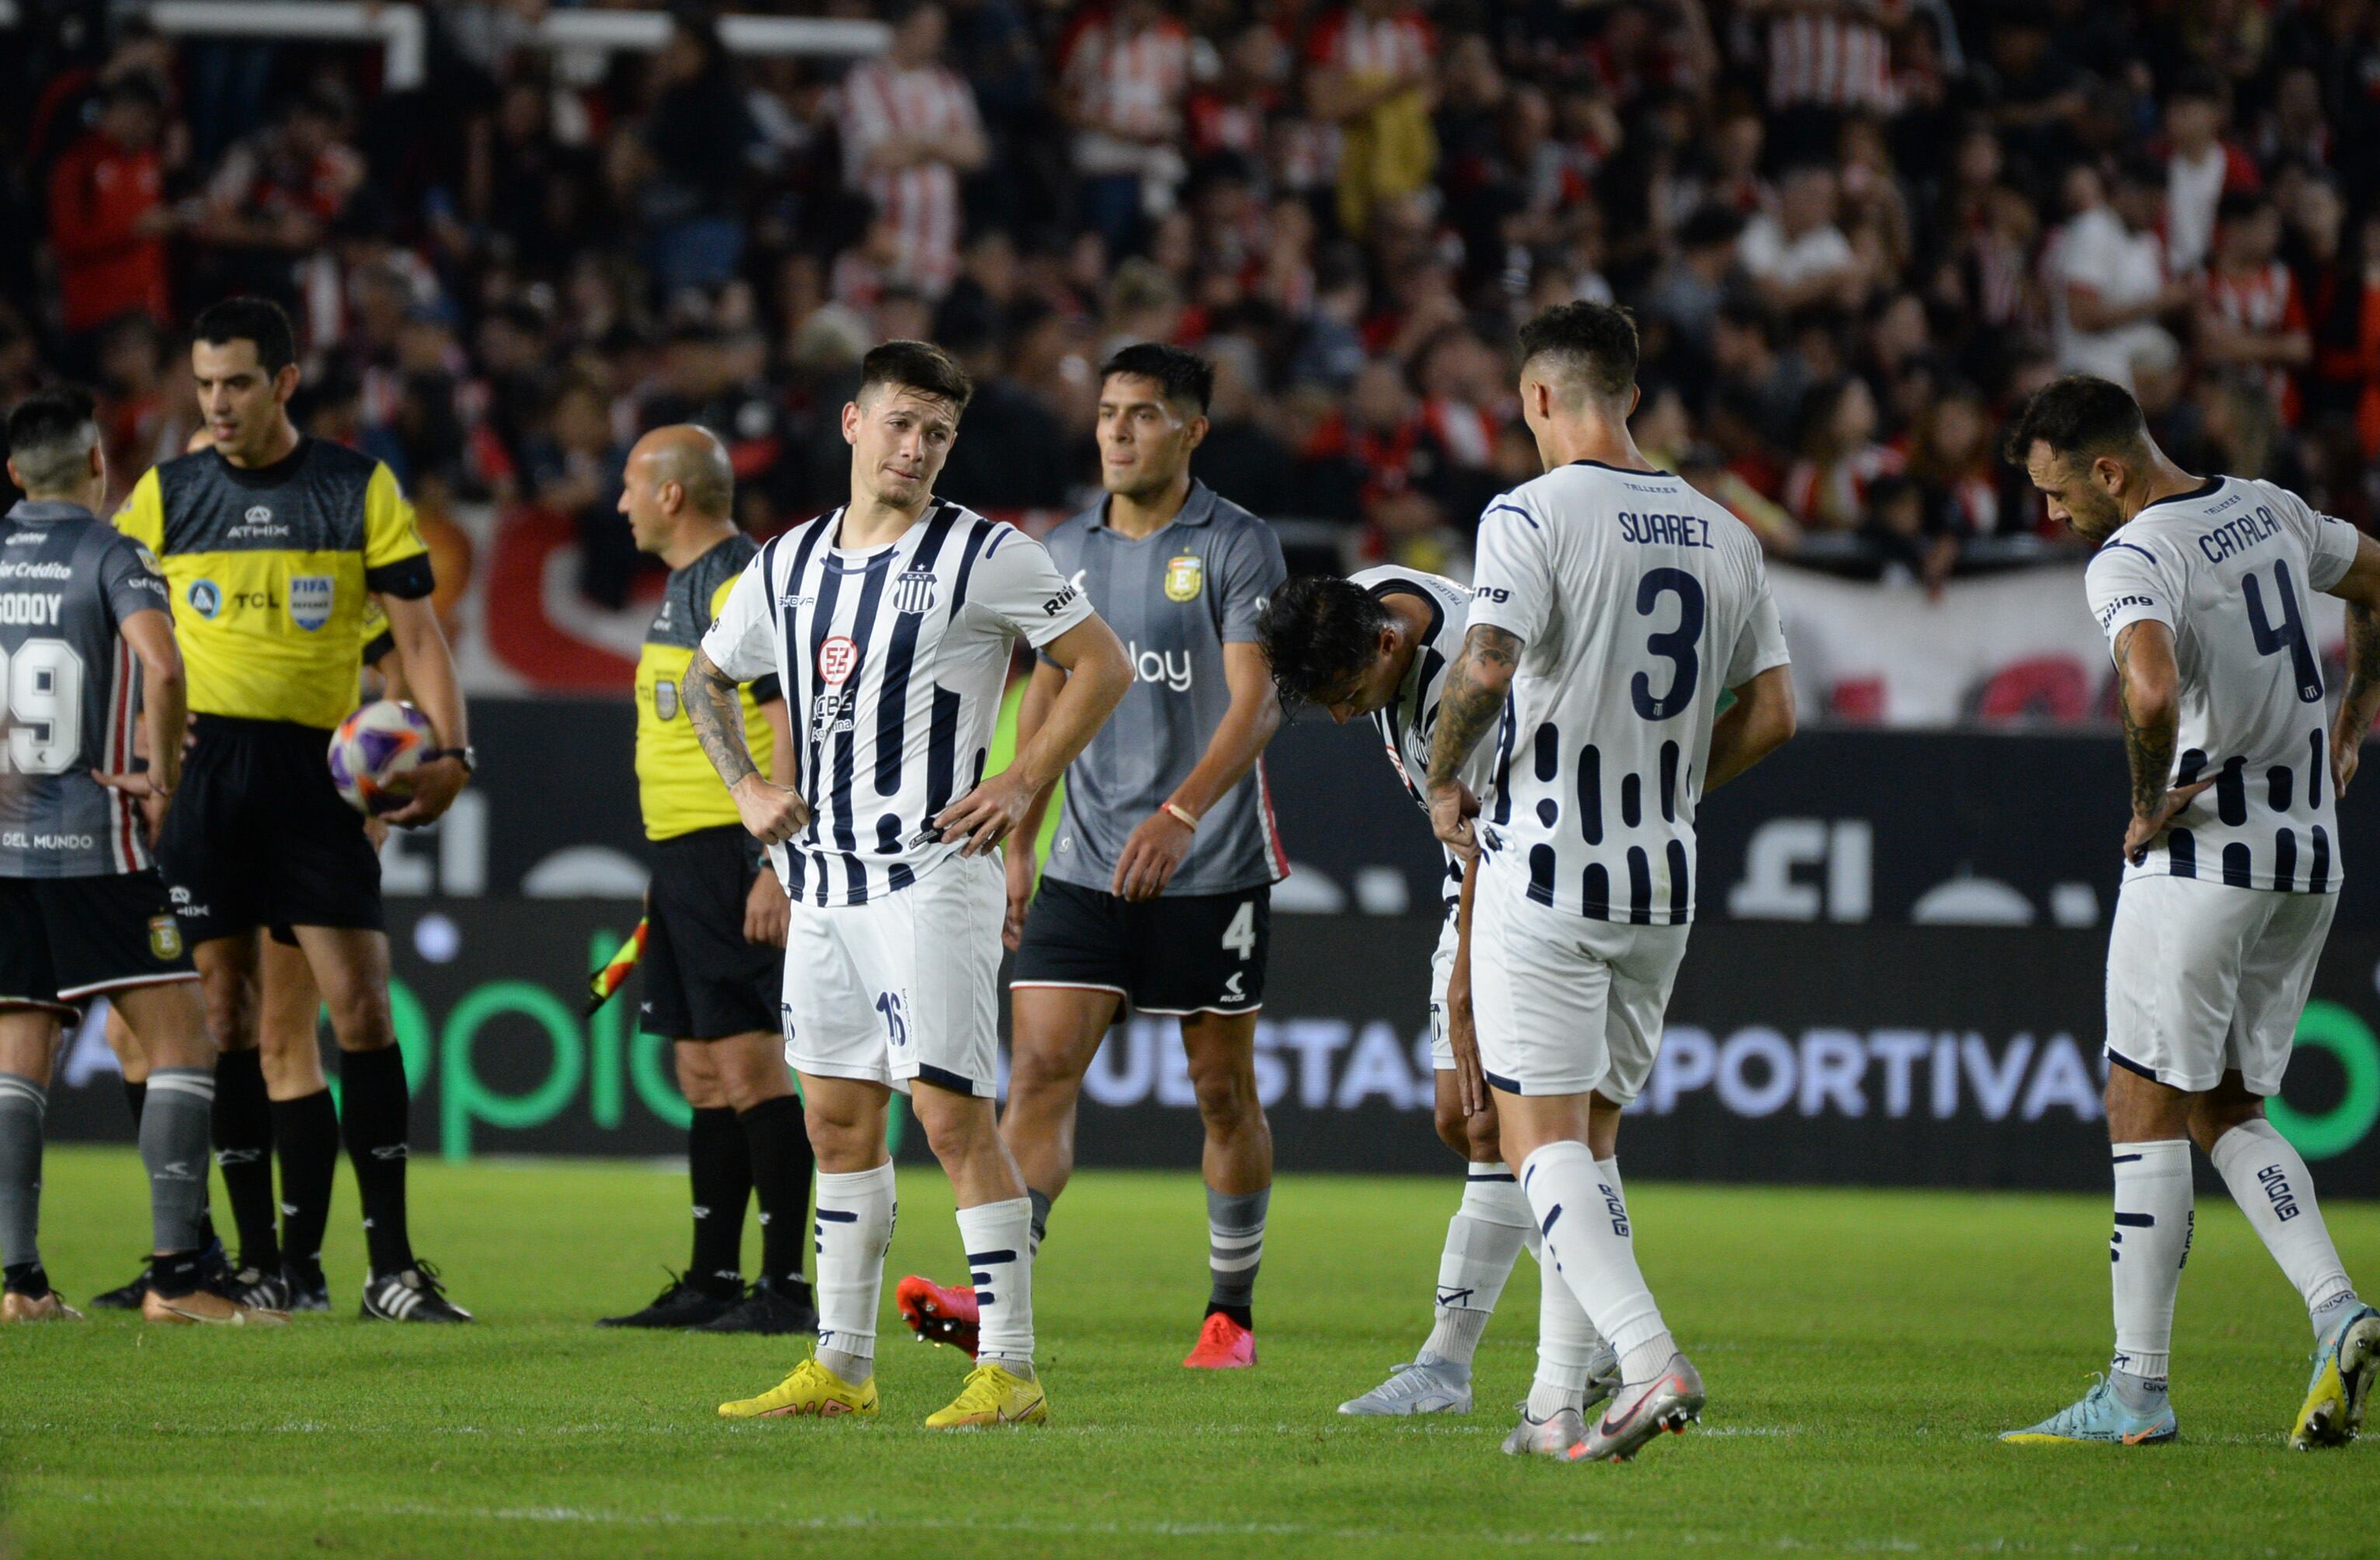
(1182,815)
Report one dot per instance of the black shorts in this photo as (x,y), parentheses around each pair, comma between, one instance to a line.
(259,837)
(65,939)
(1194,952)
(703,980)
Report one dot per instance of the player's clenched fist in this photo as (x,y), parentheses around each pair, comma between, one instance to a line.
(1451,807)
(774,813)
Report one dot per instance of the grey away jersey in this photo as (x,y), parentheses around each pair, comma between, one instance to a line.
(1175,598)
(1636,601)
(69,690)
(2229,568)
(1408,725)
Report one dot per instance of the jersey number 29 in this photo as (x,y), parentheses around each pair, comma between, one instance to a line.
(41,707)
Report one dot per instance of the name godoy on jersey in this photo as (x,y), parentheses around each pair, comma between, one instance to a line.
(1637,601)
(68,691)
(892,662)
(269,569)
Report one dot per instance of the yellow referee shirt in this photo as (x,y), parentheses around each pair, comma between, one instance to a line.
(677,787)
(269,570)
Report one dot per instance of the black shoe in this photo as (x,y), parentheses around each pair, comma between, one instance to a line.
(769,1308)
(307,1289)
(258,1290)
(126,1298)
(413,1295)
(681,1303)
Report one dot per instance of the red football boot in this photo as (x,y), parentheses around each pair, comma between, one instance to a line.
(1223,1344)
(937,1313)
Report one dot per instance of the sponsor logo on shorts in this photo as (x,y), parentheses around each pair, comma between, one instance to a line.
(309,600)
(1184,575)
(205,597)
(164,937)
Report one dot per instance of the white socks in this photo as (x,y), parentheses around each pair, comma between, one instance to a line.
(1483,1241)
(2269,1182)
(855,1226)
(2150,1243)
(999,1242)
(1567,1342)
(1584,1223)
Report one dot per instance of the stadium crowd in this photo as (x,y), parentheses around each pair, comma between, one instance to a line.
(1854,233)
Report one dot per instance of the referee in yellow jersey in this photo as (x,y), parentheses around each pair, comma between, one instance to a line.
(716,916)
(271,544)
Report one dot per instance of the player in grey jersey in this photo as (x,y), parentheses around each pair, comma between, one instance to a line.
(1380,645)
(1157,891)
(82,910)
(2232,872)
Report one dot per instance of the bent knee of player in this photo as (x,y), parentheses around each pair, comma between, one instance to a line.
(1482,1137)
(958,1126)
(2229,1104)
(360,1019)
(1226,1088)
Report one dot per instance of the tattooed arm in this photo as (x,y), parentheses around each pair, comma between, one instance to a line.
(2360,588)
(774,813)
(1477,687)
(2148,692)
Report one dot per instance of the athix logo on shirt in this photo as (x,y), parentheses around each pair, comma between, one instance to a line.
(1160,667)
(258,522)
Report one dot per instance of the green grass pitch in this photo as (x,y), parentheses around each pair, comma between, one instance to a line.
(1861,1347)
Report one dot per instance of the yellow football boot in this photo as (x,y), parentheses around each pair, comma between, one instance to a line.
(992,1395)
(811,1390)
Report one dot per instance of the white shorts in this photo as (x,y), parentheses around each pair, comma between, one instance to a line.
(901,988)
(1567,1005)
(1441,972)
(2203,979)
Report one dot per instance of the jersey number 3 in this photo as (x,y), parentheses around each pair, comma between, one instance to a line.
(41,707)
(1678,644)
(2288,635)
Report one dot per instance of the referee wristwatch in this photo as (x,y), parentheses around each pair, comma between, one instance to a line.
(467,756)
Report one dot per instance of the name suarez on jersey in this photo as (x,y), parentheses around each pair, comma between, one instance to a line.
(1665,530)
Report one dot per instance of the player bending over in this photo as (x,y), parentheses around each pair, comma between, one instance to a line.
(2202,586)
(1611,605)
(889,625)
(1158,889)
(1379,646)
(82,909)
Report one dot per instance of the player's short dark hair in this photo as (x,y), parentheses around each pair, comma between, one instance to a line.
(50,437)
(257,320)
(916,365)
(1182,377)
(2080,414)
(1593,343)
(1319,633)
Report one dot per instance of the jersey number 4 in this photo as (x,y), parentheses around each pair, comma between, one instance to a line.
(41,707)
(2288,635)
(1677,645)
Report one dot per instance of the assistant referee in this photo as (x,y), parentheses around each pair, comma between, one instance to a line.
(271,543)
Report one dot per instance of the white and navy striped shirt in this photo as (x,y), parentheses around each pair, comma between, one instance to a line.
(892,662)
(1407,724)
(1636,601)
(2231,570)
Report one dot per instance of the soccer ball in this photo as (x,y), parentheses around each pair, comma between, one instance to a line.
(374,753)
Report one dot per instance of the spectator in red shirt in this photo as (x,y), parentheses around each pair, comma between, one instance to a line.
(108,216)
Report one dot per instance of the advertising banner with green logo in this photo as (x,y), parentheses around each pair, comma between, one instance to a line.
(1796,1052)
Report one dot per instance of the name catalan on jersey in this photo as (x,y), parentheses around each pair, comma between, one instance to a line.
(68,694)
(1409,722)
(2230,568)
(677,791)
(269,569)
(1636,601)
(893,661)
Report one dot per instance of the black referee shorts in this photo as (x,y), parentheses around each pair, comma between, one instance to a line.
(1190,953)
(259,837)
(65,939)
(702,979)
